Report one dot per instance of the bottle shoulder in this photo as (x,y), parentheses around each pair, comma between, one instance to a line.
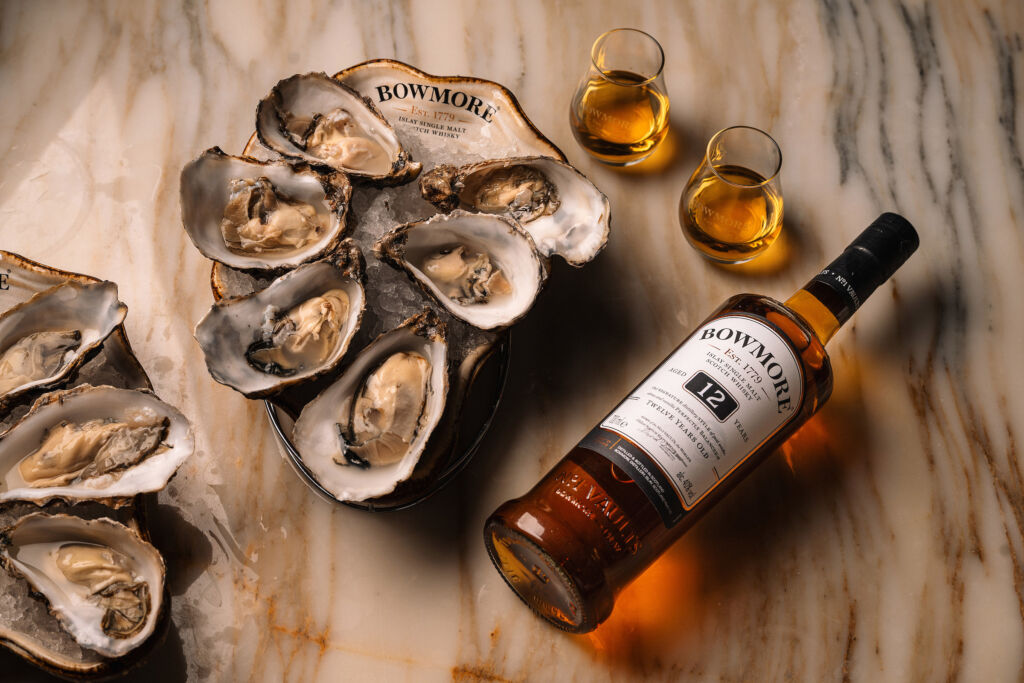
(800,336)
(777,314)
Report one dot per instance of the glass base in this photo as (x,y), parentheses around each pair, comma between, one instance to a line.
(621,164)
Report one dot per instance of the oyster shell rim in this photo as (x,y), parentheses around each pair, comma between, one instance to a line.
(404,168)
(133,656)
(81,355)
(426,325)
(119,333)
(388,245)
(337,187)
(455,178)
(59,397)
(348,260)
(411,492)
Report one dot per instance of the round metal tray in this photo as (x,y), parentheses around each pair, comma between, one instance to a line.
(492,375)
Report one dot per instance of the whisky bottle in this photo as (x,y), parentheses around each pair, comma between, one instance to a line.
(729,395)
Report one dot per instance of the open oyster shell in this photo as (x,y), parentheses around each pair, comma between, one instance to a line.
(560,208)
(45,339)
(365,433)
(317,119)
(294,330)
(93,443)
(256,215)
(483,268)
(102,581)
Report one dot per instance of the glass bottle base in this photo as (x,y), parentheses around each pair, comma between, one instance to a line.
(538,579)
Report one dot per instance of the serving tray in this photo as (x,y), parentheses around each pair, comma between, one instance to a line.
(440,120)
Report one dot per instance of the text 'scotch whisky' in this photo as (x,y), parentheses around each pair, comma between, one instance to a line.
(732,392)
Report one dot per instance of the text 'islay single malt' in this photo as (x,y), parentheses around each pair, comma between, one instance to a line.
(732,392)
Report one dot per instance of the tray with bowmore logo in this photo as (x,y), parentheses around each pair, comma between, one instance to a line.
(373,244)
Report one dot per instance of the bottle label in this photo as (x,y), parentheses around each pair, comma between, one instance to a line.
(695,419)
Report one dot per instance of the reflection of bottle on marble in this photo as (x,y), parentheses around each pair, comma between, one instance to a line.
(731,393)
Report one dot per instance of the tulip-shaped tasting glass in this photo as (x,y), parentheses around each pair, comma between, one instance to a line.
(619,112)
(731,210)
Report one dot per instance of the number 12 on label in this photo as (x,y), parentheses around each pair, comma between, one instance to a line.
(713,395)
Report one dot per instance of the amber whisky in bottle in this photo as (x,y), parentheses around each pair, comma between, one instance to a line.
(734,390)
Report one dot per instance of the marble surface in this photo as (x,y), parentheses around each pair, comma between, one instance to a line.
(885,541)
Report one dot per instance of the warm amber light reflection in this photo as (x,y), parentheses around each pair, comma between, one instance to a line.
(663,156)
(772,260)
(813,437)
(653,610)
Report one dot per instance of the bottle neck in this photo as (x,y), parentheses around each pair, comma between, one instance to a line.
(819,317)
(834,295)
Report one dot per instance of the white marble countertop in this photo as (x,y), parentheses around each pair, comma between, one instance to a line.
(886,543)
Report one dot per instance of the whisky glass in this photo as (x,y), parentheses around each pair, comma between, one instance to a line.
(731,209)
(619,112)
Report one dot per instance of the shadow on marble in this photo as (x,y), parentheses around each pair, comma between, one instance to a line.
(932,318)
(582,327)
(186,549)
(666,159)
(575,329)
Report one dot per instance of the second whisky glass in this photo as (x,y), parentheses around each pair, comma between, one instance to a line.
(731,209)
(619,113)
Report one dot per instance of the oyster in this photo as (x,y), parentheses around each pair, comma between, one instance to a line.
(483,268)
(317,119)
(95,443)
(296,329)
(100,579)
(560,208)
(43,340)
(365,433)
(256,215)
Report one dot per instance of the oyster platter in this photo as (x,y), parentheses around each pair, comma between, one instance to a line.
(83,591)
(372,244)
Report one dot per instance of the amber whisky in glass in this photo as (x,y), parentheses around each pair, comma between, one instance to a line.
(747,378)
(619,112)
(731,208)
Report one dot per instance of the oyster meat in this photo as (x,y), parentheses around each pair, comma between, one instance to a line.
(73,452)
(315,118)
(365,433)
(338,139)
(466,278)
(47,337)
(296,329)
(40,354)
(103,582)
(560,208)
(260,218)
(387,411)
(95,443)
(302,337)
(523,192)
(255,215)
(484,269)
